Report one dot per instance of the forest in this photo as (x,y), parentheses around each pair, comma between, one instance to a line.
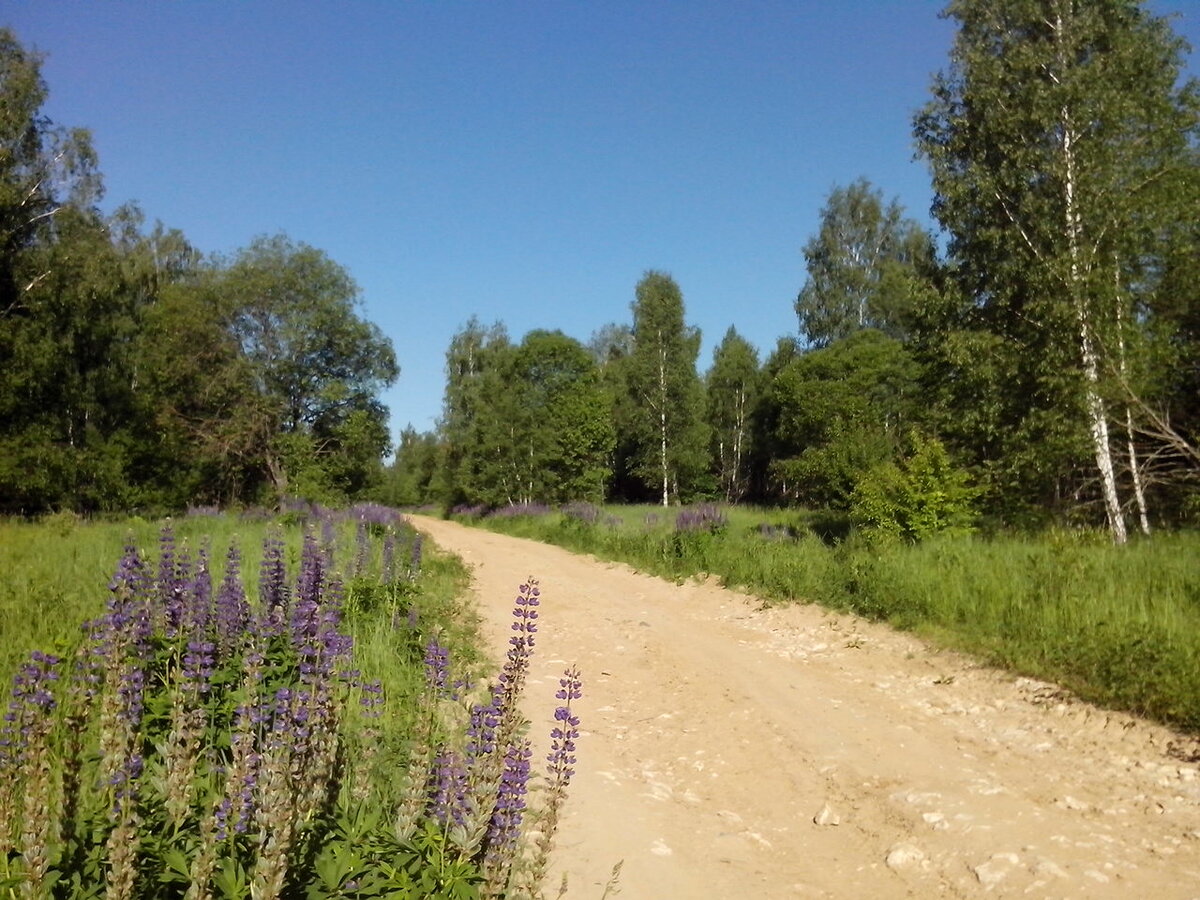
(1034,361)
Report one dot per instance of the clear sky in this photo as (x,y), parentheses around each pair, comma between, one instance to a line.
(520,161)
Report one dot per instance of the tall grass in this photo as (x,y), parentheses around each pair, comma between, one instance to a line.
(198,738)
(1119,626)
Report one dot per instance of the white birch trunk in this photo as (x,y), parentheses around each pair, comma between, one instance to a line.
(739,432)
(1089,358)
(1096,410)
(1139,493)
(662,419)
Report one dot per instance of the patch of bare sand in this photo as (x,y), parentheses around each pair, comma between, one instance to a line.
(729,751)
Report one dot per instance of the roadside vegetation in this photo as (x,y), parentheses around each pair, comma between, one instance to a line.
(990,436)
(264,706)
(1119,626)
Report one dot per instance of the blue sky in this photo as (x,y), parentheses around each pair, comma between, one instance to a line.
(520,161)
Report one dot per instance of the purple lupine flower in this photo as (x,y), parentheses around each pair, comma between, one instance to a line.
(525,612)
(517,510)
(328,535)
(702,518)
(130,579)
(482,725)
(174,575)
(199,662)
(128,616)
(371,699)
(437,667)
(305,619)
(448,786)
(124,783)
(362,549)
(582,511)
(132,691)
(31,706)
(505,826)
(232,612)
(374,514)
(566,729)
(272,586)
(198,599)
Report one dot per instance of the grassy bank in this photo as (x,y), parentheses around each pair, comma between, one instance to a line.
(262,707)
(1118,626)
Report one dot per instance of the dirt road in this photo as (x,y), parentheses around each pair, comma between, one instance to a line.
(731,752)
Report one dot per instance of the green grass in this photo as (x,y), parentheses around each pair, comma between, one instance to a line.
(54,576)
(1119,626)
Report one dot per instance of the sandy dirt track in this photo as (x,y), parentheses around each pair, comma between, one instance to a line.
(729,751)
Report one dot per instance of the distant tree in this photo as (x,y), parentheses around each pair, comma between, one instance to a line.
(472,361)
(410,479)
(44,169)
(838,412)
(664,389)
(612,347)
(562,421)
(732,387)
(264,363)
(529,423)
(765,419)
(866,267)
(1062,145)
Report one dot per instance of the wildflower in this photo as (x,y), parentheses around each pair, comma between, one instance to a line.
(437,666)
(504,827)
(232,610)
(561,769)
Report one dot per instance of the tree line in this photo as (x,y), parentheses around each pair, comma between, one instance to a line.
(138,373)
(1036,361)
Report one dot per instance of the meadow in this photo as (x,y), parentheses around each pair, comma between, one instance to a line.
(257,705)
(1117,626)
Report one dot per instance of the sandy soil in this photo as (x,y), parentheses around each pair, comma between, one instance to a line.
(730,751)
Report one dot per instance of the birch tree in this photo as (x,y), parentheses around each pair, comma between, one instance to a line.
(1056,139)
(666,391)
(472,359)
(732,390)
(864,266)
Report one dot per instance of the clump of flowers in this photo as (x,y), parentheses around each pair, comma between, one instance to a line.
(703,518)
(198,743)
(516,510)
(581,511)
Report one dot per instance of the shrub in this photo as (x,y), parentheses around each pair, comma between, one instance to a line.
(921,496)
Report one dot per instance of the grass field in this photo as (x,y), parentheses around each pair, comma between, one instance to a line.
(321,727)
(1119,626)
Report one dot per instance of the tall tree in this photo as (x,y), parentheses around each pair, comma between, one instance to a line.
(264,361)
(1060,141)
(561,425)
(866,266)
(611,346)
(44,168)
(732,393)
(62,310)
(837,412)
(472,362)
(666,391)
(410,479)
